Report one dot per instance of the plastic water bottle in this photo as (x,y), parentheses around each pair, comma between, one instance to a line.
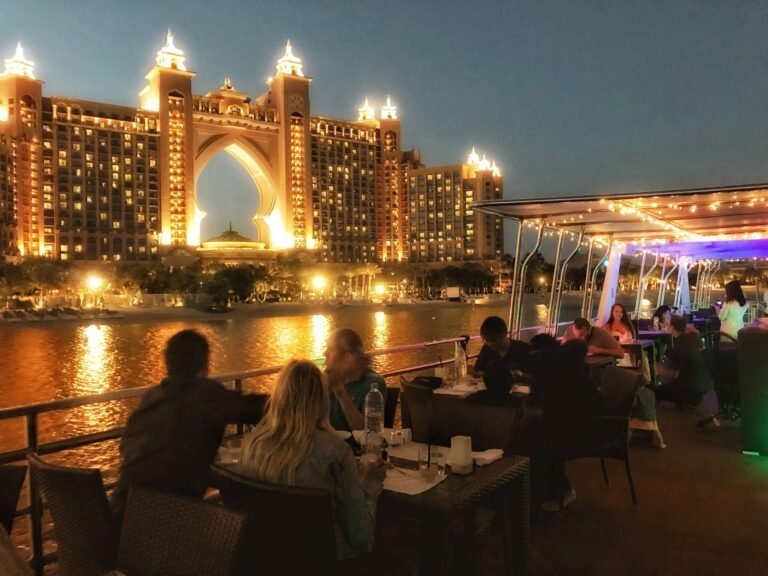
(460,361)
(374,423)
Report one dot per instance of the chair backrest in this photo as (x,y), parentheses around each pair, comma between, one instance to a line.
(169,535)
(82,519)
(435,418)
(11,481)
(618,389)
(488,426)
(390,407)
(292,530)
(416,409)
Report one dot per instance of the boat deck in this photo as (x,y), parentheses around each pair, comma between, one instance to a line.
(703,509)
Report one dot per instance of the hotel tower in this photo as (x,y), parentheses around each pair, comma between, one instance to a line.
(83,180)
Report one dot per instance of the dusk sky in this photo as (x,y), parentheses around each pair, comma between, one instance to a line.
(581,97)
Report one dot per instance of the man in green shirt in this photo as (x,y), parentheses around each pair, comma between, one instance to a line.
(347,368)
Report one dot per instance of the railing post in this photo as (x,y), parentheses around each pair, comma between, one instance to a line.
(35,503)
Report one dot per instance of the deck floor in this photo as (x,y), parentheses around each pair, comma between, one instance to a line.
(703,509)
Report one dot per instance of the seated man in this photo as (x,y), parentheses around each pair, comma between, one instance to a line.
(500,359)
(347,368)
(598,340)
(688,379)
(171,439)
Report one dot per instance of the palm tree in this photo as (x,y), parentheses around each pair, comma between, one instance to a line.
(369,272)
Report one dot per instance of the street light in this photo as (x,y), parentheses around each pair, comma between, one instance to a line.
(94,282)
(319,283)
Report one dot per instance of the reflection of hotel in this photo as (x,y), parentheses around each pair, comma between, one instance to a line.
(82,180)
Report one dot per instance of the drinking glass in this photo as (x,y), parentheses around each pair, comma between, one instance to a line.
(438,456)
(427,469)
(396,437)
(449,376)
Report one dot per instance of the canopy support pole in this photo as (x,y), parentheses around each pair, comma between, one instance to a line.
(555,277)
(515,269)
(660,295)
(610,285)
(665,279)
(682,290)
(715,269)
(639,284)
(521,290)
(644,282)
(593,281)
(561,283)
(587,270)
(701,268)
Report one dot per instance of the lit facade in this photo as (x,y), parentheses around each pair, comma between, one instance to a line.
(82,180)
(442,225)
(7,200)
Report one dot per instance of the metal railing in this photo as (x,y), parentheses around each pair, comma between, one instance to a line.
(31,413)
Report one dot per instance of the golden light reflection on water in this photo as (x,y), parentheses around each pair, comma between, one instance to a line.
(321,327)
(541,313)
(381,330)
(92,360)
(95,360)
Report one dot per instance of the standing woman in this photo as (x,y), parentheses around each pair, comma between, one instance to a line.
(731,313)
(294,445)
(619,324)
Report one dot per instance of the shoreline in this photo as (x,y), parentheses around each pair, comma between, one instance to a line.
(141,314)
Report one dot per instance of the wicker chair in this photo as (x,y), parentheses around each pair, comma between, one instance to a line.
(82,519)
(167,535)
(611,435)
(416,409)
(293,532)
(11,481)
(391,406)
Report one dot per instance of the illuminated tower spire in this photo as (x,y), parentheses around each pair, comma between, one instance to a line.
(366,112)
(289,64)
(169,56)
(18,65)
(473,159)
(389,111)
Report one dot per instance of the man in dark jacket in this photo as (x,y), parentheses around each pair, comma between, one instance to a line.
(500,359)
(172,437)
(689,381)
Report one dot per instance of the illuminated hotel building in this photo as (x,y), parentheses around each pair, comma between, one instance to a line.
(82,180)
(442,225)
(7,203)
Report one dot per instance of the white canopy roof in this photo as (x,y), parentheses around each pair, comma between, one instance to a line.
(727,222)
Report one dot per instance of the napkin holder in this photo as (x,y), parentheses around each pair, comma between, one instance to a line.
(461,455)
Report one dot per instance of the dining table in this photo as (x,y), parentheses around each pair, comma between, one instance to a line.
(636,349)
(661,338)
(447,514)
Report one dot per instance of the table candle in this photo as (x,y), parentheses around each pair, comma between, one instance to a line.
(461,454)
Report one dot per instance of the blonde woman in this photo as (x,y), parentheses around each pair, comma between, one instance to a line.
(295,445)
